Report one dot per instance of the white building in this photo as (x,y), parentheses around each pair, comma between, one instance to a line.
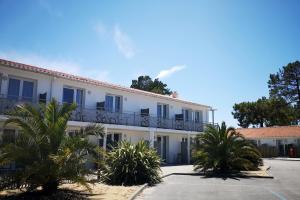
(284,139)
(167,123)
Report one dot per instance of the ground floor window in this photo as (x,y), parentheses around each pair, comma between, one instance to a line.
(112,139)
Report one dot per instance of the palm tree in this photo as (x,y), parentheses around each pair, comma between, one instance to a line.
(43,153)
(222,149)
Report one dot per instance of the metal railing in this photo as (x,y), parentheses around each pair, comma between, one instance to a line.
(127,119)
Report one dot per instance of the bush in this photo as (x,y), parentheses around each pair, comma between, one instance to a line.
(129,164)
(222,149)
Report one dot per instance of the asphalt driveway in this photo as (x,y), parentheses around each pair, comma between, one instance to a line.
(285,185)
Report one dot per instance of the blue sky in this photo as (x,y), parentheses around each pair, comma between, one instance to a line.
(212,52)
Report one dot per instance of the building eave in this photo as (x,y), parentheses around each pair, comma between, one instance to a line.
(67,76)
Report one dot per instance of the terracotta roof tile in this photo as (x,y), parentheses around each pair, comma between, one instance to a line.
(271,132)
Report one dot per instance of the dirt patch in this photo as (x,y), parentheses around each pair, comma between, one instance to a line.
(74,191)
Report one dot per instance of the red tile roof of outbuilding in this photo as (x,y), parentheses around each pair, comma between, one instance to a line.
(271,132)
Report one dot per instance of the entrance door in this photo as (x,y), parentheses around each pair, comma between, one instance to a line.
(162,146)
(184,153)
(157,145)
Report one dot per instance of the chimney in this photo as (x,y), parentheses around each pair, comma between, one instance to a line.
(174,94)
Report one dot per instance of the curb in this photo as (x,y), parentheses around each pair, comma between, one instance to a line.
(238,175)
(285,159)
(134,195)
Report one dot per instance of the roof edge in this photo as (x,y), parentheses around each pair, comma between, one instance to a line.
(67,76)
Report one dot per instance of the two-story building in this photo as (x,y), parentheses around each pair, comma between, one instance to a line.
(166,122)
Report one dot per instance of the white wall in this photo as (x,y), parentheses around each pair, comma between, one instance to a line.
(131,102)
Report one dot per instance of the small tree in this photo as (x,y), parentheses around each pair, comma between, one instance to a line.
(44,154)
(222,149)
(129,164)
(147,84)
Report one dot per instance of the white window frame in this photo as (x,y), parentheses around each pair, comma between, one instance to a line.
(74,94)
(191,115)
(200,120)
(162,110)
(114,102)
(22,79)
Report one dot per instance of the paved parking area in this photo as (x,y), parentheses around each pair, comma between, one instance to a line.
(285,185)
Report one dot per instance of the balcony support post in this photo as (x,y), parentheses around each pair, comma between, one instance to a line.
(151,138)
(188,147)
(104,138)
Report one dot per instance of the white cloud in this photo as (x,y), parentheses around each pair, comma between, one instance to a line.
(61,65)
(168,72)
(123,43)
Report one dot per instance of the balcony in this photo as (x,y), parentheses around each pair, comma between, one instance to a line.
(127,119)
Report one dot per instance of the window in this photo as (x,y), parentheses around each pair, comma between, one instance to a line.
(198,116)
(13,89)
(68,95)
(113,103)
(112,140)
(117,104)
(18,87)
(79,97)
(109,106)
(73,133)
(163,111)
(187,114)
(27,93)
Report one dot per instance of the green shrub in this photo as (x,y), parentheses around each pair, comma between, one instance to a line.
(222,149)
(129,164)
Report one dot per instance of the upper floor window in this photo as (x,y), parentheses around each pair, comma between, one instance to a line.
(68,95)
(113,103)
(71,95)
(198,116)
(187,114)
(163,111)
(20,88)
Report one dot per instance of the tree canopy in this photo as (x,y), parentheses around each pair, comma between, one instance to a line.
(264,112)
(147,84)
(282,107)
(285,83)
